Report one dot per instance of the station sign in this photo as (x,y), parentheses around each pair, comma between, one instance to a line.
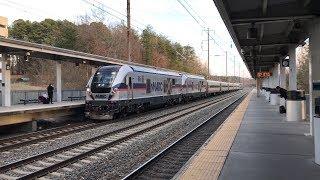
(264,74)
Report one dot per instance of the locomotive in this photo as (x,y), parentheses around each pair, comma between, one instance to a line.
(120,89)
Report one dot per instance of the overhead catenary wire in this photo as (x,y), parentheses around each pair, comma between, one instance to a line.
(11,5)
(203,26)
(119,13)
(199,20)
(194,11)
(124,20)
(111,14)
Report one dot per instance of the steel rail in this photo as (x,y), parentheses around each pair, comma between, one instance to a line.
(141,168)
(29,160)
(35,137)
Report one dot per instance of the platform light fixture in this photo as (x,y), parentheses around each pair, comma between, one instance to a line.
(252,32)
(8,66)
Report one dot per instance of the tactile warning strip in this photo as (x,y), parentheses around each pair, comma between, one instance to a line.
(207,164)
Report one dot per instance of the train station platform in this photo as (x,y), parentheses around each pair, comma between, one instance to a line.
(25,113)
(255,142)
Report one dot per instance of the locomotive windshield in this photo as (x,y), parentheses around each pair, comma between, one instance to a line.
(103,79)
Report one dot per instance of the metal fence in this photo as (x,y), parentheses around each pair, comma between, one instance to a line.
(16,96)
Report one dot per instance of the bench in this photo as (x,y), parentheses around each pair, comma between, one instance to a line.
(76,98)
(27,101)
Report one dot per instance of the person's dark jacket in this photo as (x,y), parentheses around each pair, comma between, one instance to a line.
(283,93)
(50,89)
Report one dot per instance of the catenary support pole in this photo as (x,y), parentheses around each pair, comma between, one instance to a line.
(208,51)
(227,65)
(128,30)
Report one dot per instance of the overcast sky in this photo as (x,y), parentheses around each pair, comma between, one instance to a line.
(167,17)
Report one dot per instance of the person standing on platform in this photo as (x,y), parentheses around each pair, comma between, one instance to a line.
(50,89)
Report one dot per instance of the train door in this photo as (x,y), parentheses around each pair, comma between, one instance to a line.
(130,88)
(165,86)
(148,86)
(169,85)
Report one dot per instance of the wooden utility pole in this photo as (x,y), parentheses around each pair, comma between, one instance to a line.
(128,30)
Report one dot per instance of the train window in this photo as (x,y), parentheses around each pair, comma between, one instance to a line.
(130,82)
(102,80)
(148,90)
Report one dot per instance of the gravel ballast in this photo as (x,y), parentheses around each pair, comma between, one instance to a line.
(116,162)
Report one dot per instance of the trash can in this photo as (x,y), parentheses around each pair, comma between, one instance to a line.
(294,106)
(268,94)
(316,123)
(274,97)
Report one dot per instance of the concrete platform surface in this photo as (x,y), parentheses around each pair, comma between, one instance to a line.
(31,112)
(209,159)
(36,106)
(267,147)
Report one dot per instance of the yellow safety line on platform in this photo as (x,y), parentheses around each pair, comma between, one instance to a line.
(208,163)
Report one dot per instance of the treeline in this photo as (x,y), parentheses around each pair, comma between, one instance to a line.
(148,47)
(303,68)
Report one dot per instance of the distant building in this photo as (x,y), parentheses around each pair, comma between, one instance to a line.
(3,26)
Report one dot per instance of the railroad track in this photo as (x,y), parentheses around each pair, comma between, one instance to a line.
(42,164)
(49,134)
(34,137)
(169,161)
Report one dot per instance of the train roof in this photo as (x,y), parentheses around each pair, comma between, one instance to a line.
(153,71)
(193,76)
(212,81)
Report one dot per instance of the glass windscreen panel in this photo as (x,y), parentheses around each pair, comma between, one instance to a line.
(103,79)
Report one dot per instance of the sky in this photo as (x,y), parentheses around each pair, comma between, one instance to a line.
(167,17)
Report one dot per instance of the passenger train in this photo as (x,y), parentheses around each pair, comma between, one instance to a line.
(121,89)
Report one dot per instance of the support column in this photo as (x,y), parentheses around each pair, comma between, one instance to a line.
(293,68)
(93,70)
(58,81)
(6,81)
(258,86)
(283,77)
(275,77)
(314,77)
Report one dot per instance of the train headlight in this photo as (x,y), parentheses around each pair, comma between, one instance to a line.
(114,90)
(88,90)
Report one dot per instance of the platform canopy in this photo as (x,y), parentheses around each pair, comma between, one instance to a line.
(21,48)
(263,30)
